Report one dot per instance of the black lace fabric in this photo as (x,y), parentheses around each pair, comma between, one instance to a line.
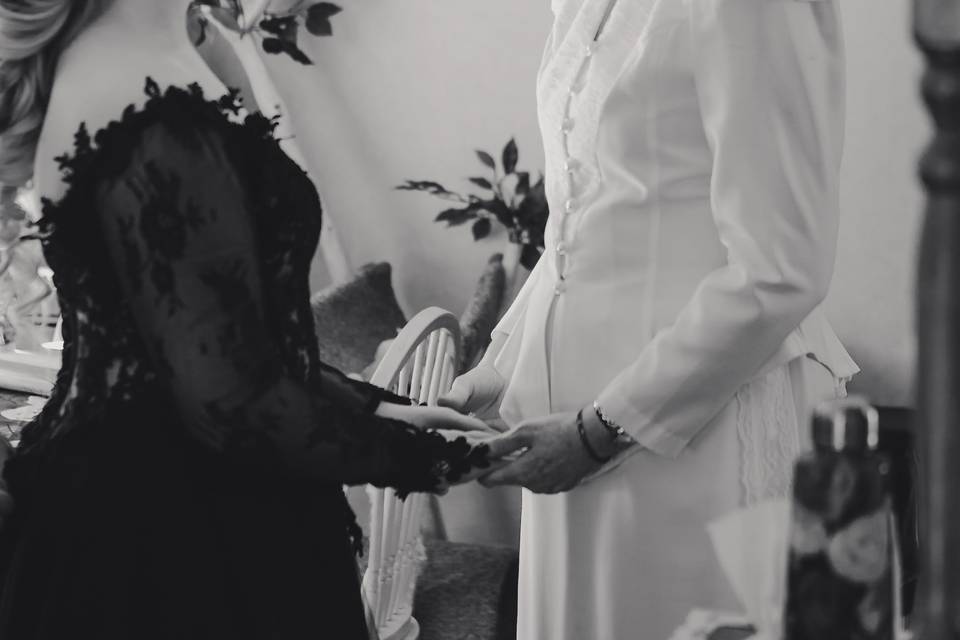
(181,252)
(201,255)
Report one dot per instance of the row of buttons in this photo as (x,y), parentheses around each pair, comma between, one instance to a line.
(571,167)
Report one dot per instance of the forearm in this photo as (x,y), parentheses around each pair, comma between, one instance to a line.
(283,427)
(685,376)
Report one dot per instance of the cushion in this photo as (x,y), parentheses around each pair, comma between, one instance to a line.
(353,318)
(467,591)
(480,317)
(464,591)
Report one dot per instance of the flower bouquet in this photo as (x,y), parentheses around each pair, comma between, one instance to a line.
(842,573)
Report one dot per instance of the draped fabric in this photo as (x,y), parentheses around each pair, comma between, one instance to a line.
(692,167)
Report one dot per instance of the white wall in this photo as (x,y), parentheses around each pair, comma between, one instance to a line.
(408,90)
(872,299)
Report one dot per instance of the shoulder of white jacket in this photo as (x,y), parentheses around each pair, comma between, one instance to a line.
(785,1)
(696,2)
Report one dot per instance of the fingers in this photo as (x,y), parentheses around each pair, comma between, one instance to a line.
(478,472)
(494,465)
(472,437)
(509,443)
(498,425)
(459,422)
(509,474)
(517,469)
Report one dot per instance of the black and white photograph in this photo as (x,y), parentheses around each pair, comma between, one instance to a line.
(462,320)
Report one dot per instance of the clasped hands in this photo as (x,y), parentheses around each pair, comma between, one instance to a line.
(544,455)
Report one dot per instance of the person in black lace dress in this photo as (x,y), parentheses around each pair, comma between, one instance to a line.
(184,481)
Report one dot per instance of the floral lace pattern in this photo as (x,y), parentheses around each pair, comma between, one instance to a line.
(181,254)
(769,432)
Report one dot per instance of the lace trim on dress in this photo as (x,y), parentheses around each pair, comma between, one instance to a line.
(769,431)
(768,428)
(74,247)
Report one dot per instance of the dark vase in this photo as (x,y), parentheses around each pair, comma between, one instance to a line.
(842,566)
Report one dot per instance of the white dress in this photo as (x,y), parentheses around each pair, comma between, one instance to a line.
(692,158)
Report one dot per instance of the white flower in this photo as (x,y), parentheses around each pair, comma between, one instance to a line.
(870,612)
(861,552)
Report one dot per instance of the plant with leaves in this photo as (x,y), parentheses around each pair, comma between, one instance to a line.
(278,31)
(508,198)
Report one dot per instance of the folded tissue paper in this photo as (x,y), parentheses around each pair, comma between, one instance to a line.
(751,545)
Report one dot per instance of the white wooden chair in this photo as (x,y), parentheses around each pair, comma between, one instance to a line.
(421,365)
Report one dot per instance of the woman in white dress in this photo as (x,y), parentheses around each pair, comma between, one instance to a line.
(693,150)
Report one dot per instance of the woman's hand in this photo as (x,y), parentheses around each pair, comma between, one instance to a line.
(478,392)
(555,458)
(501,453)
(438,418)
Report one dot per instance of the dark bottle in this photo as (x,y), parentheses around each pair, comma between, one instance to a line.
(842,566)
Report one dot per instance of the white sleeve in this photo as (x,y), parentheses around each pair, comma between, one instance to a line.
(769,80)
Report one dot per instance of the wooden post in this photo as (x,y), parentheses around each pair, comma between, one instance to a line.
(937,31)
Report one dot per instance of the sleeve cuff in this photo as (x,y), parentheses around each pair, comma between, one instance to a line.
(390,398)
(640,427)
(353,394)
(376,395)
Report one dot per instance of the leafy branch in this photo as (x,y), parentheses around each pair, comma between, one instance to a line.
(507,197)
(278,32)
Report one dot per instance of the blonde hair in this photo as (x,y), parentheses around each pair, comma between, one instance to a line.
(33,33)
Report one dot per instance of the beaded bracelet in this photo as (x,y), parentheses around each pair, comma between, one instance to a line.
(616,431)
(582,430)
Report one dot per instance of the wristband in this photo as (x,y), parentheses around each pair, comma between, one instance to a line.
(616,432)
(581,429)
